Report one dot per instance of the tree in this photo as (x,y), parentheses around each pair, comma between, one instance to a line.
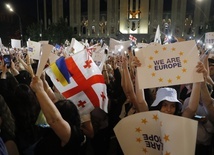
(55,33)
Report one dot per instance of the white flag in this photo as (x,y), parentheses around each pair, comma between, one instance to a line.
(157,36)
(76,45)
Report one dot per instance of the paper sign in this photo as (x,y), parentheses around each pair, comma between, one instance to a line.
(46,49)
(44,42)
(170,64)
(114,45)
(142,45)
(34,49)
(209,40)
(15,43)
(156,133)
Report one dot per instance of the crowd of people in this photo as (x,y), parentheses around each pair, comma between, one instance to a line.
(35,119)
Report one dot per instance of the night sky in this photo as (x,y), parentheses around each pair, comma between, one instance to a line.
(26,8)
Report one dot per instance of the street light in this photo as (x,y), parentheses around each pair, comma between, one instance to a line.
(20,22)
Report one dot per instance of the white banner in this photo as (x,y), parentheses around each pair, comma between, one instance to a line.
(209,40)
(15,43)
(119,46)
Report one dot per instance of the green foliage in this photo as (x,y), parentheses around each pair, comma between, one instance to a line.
(33,32)
(55,33)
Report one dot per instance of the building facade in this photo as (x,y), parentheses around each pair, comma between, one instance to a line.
(119,18)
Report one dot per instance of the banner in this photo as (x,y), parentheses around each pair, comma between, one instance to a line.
(87,88)
(171,64)
(209,40)
(15,43)
(156,133)
(99,57)
(34,49)
(115,45)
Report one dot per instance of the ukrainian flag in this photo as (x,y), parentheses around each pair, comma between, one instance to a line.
(60,70)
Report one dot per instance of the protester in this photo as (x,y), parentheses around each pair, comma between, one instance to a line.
(61,115)
(57,113)
(205,117)
(166,98)
(7,130)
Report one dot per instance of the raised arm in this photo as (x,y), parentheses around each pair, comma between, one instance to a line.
(26,65)
(48,89)
(137,98)
(206,98)
(142,104)
(191,109)
(52,115)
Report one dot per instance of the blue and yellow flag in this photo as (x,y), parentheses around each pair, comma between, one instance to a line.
(61,72)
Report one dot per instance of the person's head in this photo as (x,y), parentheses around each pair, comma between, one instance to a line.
(69,112)
(166,101)
(26,103)
(7,124)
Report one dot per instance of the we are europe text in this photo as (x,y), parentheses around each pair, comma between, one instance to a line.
(167,64)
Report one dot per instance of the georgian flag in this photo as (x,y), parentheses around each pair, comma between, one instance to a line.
(132,38)
(87,88)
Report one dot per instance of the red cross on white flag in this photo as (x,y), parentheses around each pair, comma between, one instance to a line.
(87,88)
(132,38)
(91,49)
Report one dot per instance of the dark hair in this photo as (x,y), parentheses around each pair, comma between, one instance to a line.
(159,106)
(8,124)
(26,100)
(69,112)
(26,113)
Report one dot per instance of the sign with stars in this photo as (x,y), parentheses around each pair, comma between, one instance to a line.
(34,50)
(156,133)
(170,64)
